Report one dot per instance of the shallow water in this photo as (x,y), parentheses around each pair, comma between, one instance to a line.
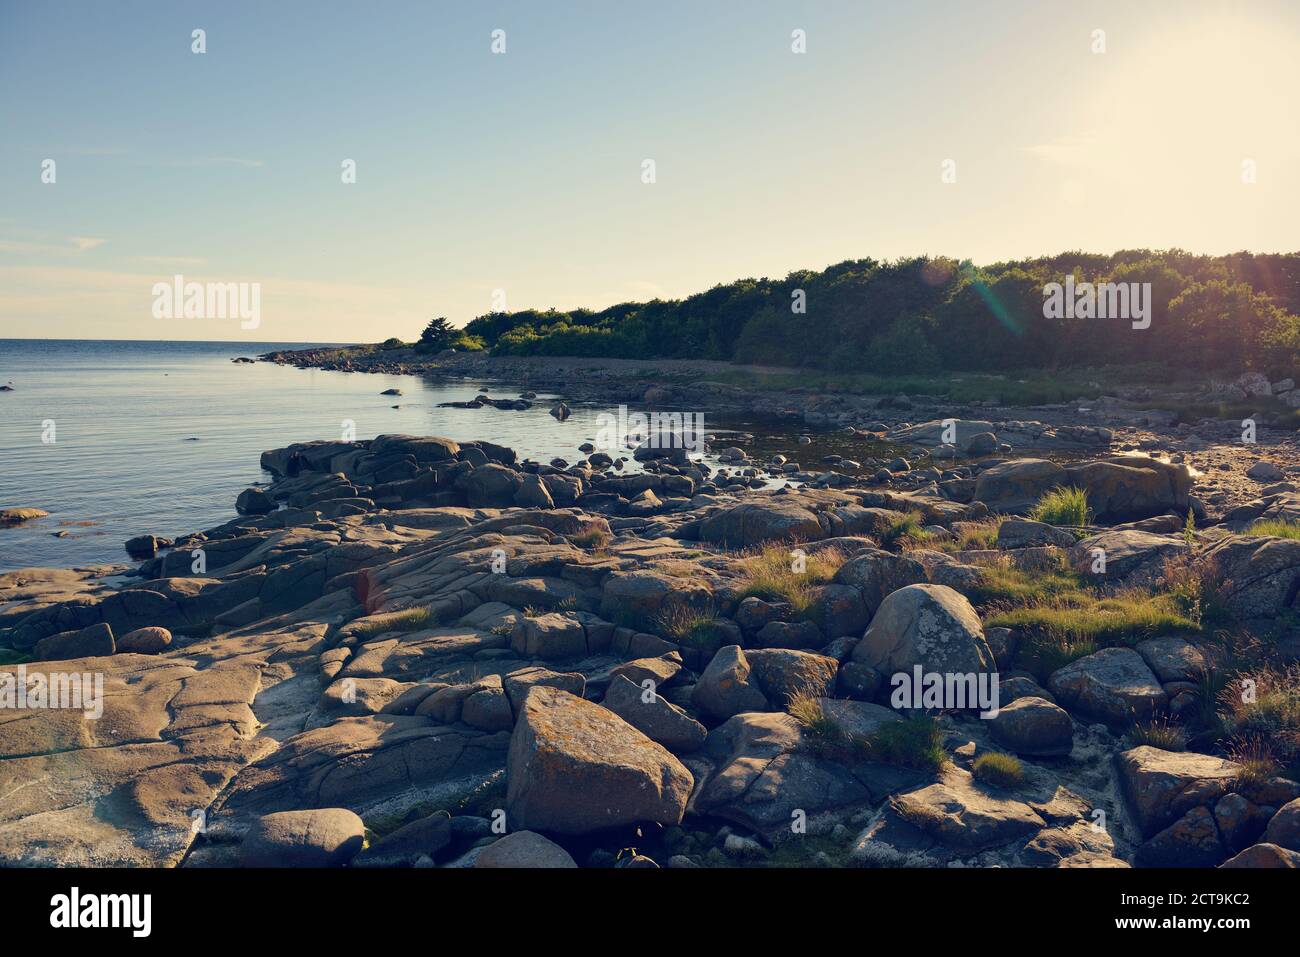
(160,437)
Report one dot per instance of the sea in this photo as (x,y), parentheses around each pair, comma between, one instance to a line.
(122,438)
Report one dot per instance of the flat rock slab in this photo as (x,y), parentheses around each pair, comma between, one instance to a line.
(959,812)
(1114,684)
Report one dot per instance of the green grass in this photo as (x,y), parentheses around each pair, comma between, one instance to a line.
(1124,618)
(1156,734)
(904,529)
(695,628)
(769,574)
(1267,727)
(973,536)
(1277,527)
(999,770)
(1066,506)
(1004,583)
(915,742)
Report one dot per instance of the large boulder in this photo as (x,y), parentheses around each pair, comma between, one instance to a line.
(1033,727)
(1129,487)
(89,642)
(645,596)
(1260,576)
(575,767)
(1162,786)
(490,486)
(753,523)
(928,625)
(327,837)
(1191,841)
(1132,556)
(783,672)
(1113,684)
(1017,486)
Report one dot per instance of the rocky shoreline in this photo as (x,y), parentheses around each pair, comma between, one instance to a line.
(410,651)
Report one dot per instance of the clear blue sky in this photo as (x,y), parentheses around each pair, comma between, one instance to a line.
(521,171)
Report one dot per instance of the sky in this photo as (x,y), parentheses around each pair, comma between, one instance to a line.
(520,174)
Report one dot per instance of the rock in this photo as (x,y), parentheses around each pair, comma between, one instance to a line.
(1113,684)
(1265,472)
(1033,727)
(1131,487)
(1253,384)
(524,849)
(488,709)
(752,523)
(16,516)
(789,634)
(877,573)
(1284,828)
(391,392)
(727,686)
(781,673)
(928,625)
(143,547)
(410,844)
(957,812)
(561,411)
(660,670)
(982,443)
(764,771)
(647,595)
(549,636)
(144,641)
(518,683)
(1161,786)
(328,837)
(1023,533)
(1132,556)
(1191,841)
(1258,575)
(1017,486)
(841,610)
(254,501)
(1076,845)
(654,716)
(533,493)
(1265,855)
(575,767)
(89,642)
(490,486)
(1172,659)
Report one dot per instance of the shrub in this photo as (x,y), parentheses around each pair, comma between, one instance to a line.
(1067,506)
(999,770)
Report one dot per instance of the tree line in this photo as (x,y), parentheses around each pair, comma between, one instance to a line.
(1215,313)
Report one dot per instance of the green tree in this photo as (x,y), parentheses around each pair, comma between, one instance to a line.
(438,335)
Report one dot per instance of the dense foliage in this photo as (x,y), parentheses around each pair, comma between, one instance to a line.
(923,315)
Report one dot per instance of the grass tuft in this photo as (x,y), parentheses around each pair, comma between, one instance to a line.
(769,574)
(915,742)
(999,770)
(1067,506)
(1157,734)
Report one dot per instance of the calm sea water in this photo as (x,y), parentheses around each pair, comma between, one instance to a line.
(160,437)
